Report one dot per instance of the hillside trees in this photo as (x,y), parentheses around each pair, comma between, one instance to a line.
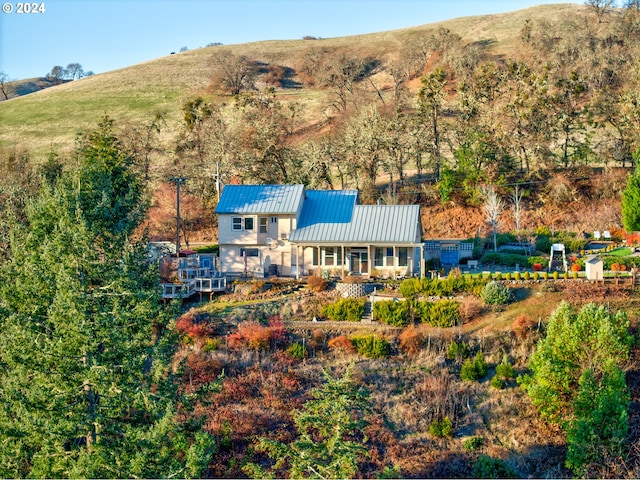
(431,97)
(631,203)
(578,383)
(264,134)
(84,390)
(331,439)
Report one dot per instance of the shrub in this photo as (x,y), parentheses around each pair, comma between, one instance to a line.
(475,369)
(526,276)
(522,326)
(536,276)
(297,350)
(189,325)
(392,312)
(469,308)
(537,267)
(473,444)
(517,276)
(507,276)
(543,243)
(411,340)
(457,350)
(317,284)
(346,309)
(505,370)
(342,344)
(443,313)
(371,346)
(497,383)
(556,275)
(487,467)
(495,293)
(454,283)
(441,428)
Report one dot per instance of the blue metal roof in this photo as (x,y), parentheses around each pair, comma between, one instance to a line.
(265,199)
(390,224)
(327,206)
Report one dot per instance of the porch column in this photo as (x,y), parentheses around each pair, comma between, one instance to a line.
(369,259)
(343,260)
(421,261)
(298,262)
(395,261)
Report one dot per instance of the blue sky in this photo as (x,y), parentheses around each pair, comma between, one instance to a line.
(105,35)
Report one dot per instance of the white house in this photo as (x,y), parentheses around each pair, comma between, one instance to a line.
(291,231)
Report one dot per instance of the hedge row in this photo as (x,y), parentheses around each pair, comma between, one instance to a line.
(443,313)
(512,259)
(451,285)
(346,309)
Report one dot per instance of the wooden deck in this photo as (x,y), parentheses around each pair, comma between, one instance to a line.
(196,274)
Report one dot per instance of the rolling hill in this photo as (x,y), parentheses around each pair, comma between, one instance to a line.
(49,119)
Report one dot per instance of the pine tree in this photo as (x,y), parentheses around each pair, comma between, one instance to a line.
(331,434)
(84,392)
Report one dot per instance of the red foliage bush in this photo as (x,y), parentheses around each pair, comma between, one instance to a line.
(200,369)
(537,267)
(188,325)
(342,344)
(256,336)
(576,267)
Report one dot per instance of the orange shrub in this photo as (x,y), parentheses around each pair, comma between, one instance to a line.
(411,340)
(575,267)
(341,343)
(537,267)
(615,267)
(522,326)
(317,284)
(188,325)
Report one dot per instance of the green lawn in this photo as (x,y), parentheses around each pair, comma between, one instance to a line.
(620,252)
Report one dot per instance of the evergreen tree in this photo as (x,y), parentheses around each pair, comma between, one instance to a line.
(577,383)
(631,203)
(84,391)
(331,434)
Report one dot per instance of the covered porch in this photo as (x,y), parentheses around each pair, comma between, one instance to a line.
(359,259)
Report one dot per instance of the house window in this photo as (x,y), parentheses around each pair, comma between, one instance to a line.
(314,262)
(248,223)
(262,225)
(329,256)
(378,259)
(250,252)
(236,223)
(274,219)
(403,257)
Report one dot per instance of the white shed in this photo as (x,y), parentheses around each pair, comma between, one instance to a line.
(594,268)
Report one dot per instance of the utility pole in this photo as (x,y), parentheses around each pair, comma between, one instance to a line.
(178,181)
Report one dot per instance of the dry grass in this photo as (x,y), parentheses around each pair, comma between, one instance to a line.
(51,117)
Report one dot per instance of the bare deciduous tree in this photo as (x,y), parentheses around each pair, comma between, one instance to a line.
(234,73)
(600,7)
(4,78)
(493,207)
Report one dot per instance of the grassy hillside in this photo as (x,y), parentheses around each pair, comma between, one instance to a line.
(50,118)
